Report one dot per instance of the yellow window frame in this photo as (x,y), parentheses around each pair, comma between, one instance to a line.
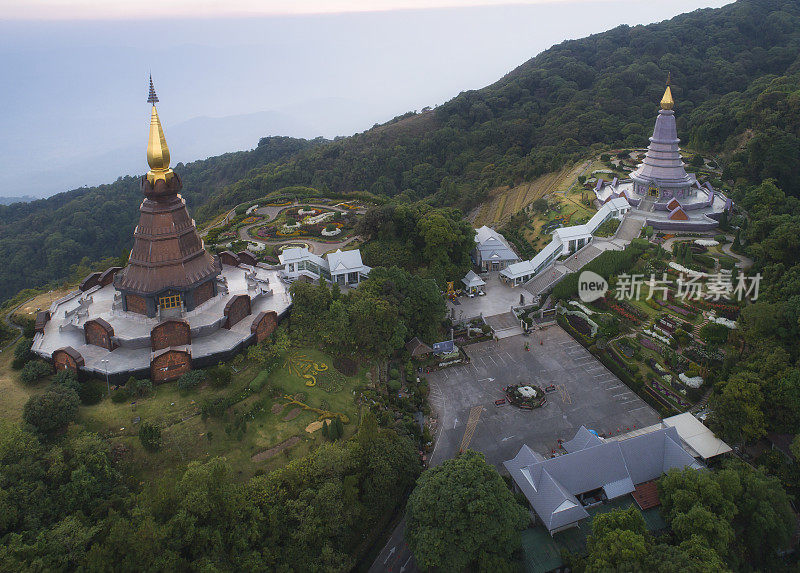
(167,302)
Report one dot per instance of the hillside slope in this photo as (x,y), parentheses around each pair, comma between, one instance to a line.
(735,74)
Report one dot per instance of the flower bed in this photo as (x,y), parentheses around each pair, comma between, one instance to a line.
(699,355)
(525,396)
(580,324)
(667,393)
(651,344)
(251,219)
(624,348)
(624,313)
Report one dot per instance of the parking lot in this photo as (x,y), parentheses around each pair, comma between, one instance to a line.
(586,393)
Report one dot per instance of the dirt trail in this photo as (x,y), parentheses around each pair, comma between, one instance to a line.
(275,450)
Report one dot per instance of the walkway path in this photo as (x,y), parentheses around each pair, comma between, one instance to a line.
(744,262)
(7,320)
(316,247)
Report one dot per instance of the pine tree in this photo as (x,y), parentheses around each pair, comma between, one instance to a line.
(338,429)
(325,431)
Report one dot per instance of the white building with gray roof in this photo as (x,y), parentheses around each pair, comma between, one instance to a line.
(594,470)
(492,251)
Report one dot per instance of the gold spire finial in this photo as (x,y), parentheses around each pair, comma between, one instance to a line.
(667,102)
(157,150)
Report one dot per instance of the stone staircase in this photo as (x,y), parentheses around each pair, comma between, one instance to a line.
(504,325)
(629,229)
(587,254)
(545,280)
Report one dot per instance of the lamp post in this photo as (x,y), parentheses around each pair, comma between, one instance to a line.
(104,362)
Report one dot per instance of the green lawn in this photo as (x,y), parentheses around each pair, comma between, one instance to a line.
(186,436)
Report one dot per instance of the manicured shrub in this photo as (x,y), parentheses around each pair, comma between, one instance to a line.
(394,374)
(34,371)
(91,392)
(191,380)
(150,436)
(120,395)
(220,375)
(51,411)
(67,378)
(393,385)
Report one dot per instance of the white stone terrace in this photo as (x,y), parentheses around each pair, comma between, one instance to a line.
(132,331)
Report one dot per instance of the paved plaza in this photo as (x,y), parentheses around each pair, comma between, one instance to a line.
(499,299)
(587,393)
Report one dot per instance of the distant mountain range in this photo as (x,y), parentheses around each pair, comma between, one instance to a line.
(197,138)
(736,76)
(20,199)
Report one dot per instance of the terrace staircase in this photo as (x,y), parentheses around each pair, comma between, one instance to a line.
(629,229)
(696,330)
(545,280)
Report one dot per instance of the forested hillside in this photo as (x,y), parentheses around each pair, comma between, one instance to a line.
(40,241)
(735,74)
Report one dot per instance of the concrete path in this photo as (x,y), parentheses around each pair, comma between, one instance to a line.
(7,320)
(316,247)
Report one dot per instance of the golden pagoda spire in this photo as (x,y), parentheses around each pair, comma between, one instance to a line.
(667,102)
(157,150)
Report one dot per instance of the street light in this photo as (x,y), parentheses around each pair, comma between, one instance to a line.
(104,361)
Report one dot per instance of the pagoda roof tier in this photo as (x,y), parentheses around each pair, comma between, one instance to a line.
(662,164)
(167,251)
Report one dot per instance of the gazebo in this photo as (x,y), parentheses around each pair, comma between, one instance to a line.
(472,282)
(417,348)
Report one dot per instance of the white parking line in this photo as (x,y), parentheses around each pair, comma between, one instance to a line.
(639,408)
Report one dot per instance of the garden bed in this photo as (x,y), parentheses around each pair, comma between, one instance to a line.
(525,396)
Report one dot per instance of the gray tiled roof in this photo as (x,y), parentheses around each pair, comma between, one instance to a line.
(583,439)
(551,485)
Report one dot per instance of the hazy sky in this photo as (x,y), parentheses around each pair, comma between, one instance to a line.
(74,90)
(106,9)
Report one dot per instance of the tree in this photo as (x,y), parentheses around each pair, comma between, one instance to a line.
(150,436)
(22,353)
(765,522)
(618,541)
(34,371)
(736,409)
(691,556)
(51,411)
(462,514)
(191,380)
(220,375)
(736,511)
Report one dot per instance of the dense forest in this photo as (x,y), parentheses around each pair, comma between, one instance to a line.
(735,74)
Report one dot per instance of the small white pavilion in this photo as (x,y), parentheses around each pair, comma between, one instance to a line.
(473,282)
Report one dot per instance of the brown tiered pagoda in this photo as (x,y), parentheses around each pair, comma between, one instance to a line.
(168,267)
